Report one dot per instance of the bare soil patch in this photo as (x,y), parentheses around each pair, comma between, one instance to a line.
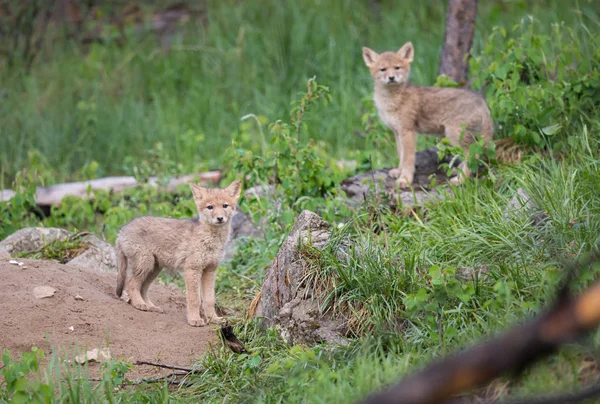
(97,321)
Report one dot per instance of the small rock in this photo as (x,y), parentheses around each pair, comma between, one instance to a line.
(77,297)
(71,328)
(95,355)
(14,262)
(523,204)
(41,292)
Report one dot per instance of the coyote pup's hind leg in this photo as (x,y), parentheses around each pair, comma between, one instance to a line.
(142,266)
(146,284)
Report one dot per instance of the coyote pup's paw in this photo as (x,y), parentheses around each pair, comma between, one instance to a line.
(197,322)
(156,309)
(215,320)
(139,306)
(395,173)
(403,182)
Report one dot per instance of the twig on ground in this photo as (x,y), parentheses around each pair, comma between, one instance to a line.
(171,378)
(173,367)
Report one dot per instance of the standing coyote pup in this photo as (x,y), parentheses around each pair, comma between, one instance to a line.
(409,110)
(196,246)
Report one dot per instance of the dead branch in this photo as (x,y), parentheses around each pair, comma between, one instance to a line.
(53,194)
(171,378)
(568,319)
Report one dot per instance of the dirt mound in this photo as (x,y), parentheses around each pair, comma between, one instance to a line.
(97,321)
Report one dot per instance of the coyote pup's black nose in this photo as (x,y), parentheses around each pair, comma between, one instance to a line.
(391,79)
(220,219)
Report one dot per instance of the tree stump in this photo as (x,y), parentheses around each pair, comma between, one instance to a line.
(458,38)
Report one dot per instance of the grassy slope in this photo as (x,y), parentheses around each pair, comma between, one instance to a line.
(118,102)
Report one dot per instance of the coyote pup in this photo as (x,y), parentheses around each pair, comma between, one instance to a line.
(409,110)
(196,246)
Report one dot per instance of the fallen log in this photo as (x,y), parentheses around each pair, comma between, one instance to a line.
(52,195)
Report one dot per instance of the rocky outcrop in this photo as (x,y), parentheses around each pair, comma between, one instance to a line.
(31,239)
(380,183)
(284,301)
(99,256)
(241,227)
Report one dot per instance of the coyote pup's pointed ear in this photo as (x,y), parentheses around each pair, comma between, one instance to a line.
(197,191)
(370,56)
(234,189)
(407,51)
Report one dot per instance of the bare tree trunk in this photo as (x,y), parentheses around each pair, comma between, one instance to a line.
(460,28)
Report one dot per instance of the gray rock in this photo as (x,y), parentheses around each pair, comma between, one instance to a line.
(30,239)
(522,204)
(300,321)
(379,183)
(241,226)
(259,191)
(284,302)
(100,256)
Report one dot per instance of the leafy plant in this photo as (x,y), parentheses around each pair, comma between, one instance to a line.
(20,381)
(296,174)
(540,87)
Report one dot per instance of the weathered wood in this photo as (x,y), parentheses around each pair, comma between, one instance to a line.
(52,195)
(286,301)
(458,38)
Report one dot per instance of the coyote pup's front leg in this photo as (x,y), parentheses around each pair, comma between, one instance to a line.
(192,294)
(405,143)
(209,277)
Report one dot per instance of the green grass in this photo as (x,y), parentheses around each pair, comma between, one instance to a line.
(114,103)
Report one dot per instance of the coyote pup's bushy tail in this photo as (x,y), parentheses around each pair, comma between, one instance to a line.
(122,276)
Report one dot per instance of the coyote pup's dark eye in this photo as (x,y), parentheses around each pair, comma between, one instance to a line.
(225,205)
(382,69)
(209,207)
(397,67)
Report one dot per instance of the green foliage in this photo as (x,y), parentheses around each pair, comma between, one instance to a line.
(156,162)
(59,250)
(297,174)
(540,86)
(243,60)
(296,168)
(19,385)
(479,155)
